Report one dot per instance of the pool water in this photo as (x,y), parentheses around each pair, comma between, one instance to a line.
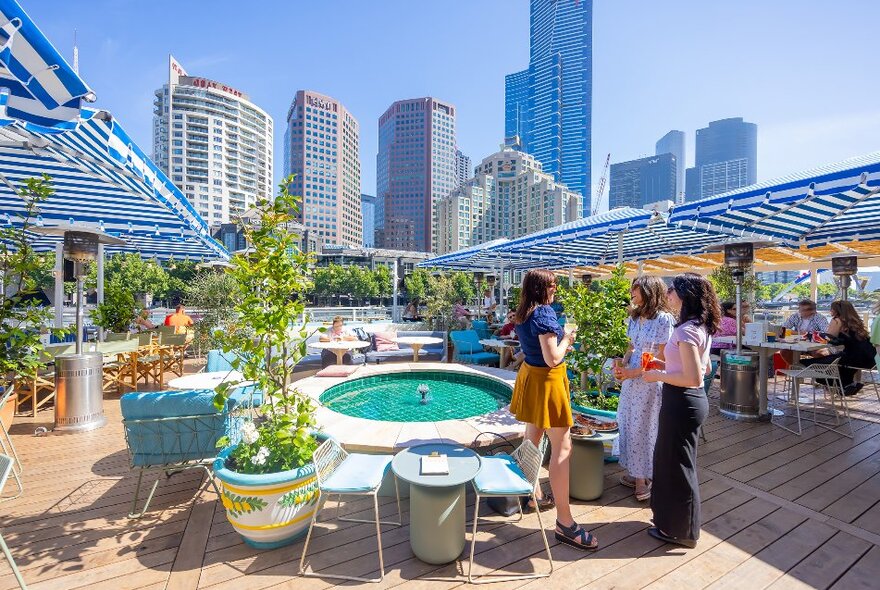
(396,398)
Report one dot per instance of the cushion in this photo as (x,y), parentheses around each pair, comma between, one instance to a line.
(479,358)
(385,341)
(358,473)
(337,371)
(500,475)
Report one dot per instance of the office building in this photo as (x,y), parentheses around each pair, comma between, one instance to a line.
(321,150)
(462,168)
(368,212)
(213,143)
(549,105)
(674,143)
(639,182)
(509,196)
(726,158)
(415,168)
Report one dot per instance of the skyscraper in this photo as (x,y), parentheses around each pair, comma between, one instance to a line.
(549,105)
(673,143)
(639,182)
(462,168)
(726,158)
(368,212)
(213,143)
(321,149)
(415,168)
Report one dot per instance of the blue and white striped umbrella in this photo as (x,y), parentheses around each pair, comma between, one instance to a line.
(36,84)
(835,203)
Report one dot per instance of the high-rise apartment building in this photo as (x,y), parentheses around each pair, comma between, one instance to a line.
(462,168)
(726,158)
(509,196)
(368,213)
(674,143)
(321,150)
(213,143)
(549,105)
(415,168)
(639,182)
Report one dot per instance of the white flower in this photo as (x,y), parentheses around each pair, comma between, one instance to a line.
(261,456)
(249,434)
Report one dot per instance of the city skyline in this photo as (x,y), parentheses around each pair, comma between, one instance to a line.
(638,95)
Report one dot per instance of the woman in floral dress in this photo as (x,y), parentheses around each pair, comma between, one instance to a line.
(649,327)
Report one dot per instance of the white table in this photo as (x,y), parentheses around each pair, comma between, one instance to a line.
(417,342)
(206,380)
(501,346)
(340,347)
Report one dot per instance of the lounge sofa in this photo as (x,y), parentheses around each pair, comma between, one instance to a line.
(429,352)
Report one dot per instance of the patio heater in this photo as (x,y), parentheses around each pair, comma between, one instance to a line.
(844,267)
(79,394)
(587,279)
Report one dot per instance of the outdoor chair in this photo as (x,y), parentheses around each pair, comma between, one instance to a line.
(116,336)
(6,467)
(468,350)
(119,364)
(481,327)
(505,476)
(42,381)
(172,348)
(145,339)
(340,473)
(9,449)
(219,360)
(166,330)
(826,378)
(871,378)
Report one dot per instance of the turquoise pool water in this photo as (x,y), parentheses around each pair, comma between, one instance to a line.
(396,398)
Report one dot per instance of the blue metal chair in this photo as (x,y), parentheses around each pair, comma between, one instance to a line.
(5,469)
(481,327)
(342,474)
(509,475)
(220,361)
(467,349)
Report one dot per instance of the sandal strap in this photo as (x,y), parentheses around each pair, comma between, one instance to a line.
(576,532)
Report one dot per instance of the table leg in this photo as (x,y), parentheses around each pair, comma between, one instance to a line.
(416,348)
(436,523)
(340,353)
(763,370)
(587,469)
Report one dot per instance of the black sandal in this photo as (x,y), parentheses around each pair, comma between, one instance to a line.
(660,535)
(544,504)
(575,536)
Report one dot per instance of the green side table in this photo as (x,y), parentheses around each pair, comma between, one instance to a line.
(587,473)
(437,502)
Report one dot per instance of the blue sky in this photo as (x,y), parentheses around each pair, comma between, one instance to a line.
(803,70)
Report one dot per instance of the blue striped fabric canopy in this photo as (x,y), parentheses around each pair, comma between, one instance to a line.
(488,256)
(835,203)
(104,181)
(36,84)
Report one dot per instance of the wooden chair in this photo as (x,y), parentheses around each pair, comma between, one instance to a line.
(118,365)
(42,381)
(116,336)
(172,349)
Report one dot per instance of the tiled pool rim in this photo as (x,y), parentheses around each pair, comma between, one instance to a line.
(360,434)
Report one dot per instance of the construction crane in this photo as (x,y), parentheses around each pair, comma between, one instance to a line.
(601,188)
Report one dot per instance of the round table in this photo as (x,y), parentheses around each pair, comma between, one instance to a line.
(437,502)
(340,347)
(417,342)
(502,346)
(206,380)
(587,472)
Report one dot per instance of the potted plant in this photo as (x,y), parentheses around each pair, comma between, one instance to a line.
(22,314)
(269,488)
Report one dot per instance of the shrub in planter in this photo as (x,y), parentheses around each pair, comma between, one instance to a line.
(268,482)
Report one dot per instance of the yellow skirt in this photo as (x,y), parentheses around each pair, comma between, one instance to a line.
(541,396)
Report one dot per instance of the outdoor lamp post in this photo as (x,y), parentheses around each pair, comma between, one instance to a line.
(738,257)
(844,267)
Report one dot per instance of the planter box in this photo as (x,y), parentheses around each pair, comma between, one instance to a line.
(8,412)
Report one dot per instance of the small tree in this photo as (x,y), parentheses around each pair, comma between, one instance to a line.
(722,280)
(266,301)
(212,292)
(118,310)
(418,284)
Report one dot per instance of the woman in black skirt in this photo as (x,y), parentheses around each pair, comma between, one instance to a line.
(675,495)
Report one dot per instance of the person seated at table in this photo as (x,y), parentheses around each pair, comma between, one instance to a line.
(805,320)
(728,325)
(847,329)
(142,322)
(489,305)
(179,320)
(337,333)
(411,313)
(461,315)
(507,330)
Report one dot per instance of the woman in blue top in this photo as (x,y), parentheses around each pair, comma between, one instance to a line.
(541,396)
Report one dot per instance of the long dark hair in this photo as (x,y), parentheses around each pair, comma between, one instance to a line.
(849,318)
(653,292)
(699,302)
(535,285)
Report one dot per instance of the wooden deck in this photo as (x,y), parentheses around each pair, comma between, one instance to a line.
(779,511)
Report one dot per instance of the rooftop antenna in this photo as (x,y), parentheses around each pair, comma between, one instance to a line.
(75,54)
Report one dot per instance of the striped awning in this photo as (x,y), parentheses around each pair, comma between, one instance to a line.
(102,180)
(37,85)
(836,203)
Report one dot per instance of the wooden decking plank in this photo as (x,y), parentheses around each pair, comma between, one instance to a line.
(870,519)
(852,505)
(119,568)
(865,574)
(825,565)
(187,566)
(843,484)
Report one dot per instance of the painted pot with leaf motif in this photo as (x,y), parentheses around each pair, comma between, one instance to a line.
(268,510)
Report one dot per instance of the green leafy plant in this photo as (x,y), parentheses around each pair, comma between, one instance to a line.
(722,280)
(22,317)
(211,292)
(597,400)
(118,310)
(600,311)
(269,341)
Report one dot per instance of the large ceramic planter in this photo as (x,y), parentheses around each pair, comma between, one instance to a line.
(268,510)
(7,414)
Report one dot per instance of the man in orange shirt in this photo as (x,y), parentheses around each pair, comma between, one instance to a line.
(179,320)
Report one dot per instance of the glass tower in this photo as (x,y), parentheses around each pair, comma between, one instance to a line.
(549,105)
(726,158)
